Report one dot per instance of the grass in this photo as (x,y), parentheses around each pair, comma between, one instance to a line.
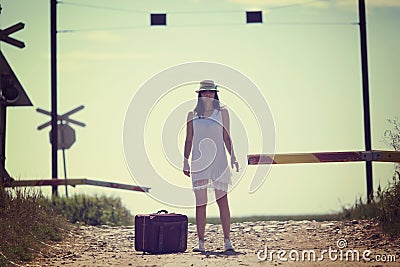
(389,207)
(29,220)
(26,223)
(385,207)
(92,210)
(386,204)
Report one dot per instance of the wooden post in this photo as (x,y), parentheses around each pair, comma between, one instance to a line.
(54,119)
(365,87)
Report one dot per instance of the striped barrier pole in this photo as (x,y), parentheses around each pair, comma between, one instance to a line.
(320,157)
(74,182)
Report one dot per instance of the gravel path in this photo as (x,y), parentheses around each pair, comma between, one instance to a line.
(264,243)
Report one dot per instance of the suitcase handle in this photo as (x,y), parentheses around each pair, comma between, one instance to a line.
(162,211)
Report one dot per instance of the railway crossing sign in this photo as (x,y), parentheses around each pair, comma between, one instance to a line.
(61,118)
(4,35)
(66,134)
(11,92)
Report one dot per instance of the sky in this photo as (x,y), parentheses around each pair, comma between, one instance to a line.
(304,59)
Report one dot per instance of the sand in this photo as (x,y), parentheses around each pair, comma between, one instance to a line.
(264,243)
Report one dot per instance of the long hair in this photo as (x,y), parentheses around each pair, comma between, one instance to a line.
(199,109)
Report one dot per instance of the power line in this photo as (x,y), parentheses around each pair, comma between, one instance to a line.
(199,12)
(104,7)
(147,12)
(184,12)
(207,12)
(122,28)
(126,28)
(268,24)
(313,23)
(298,4)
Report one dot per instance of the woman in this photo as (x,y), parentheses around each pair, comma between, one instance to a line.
(207,135)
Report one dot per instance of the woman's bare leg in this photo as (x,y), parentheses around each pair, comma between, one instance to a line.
(201,208)
(224,212)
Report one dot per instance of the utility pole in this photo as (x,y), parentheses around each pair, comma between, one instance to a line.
(365,87)
(54,118)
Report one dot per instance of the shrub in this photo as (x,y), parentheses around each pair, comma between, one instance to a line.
(386,205)
(26,222)
(389,204)
(92,210)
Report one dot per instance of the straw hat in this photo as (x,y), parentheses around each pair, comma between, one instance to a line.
(207,85)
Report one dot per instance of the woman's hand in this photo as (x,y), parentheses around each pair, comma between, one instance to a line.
(186,168)
(235,163)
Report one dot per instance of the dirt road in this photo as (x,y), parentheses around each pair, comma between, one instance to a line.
(270,243)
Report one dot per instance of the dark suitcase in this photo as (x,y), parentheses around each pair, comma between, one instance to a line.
(161,232)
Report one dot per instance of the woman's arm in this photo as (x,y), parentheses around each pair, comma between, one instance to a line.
(188,144)
(227,138)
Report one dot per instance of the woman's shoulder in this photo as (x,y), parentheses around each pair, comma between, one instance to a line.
(224,109)
(190,116)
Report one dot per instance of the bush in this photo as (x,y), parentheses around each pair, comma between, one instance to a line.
(386,205)
(389,200)
(389,206)
(92,210)
(28,219)
(26,222)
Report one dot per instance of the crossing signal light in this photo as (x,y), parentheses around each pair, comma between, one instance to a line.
(9,92)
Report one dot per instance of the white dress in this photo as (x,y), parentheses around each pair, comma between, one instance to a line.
(209,166)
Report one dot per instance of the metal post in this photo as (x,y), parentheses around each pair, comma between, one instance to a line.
(365,85)
(54,132)
(3,116)
(65,173)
